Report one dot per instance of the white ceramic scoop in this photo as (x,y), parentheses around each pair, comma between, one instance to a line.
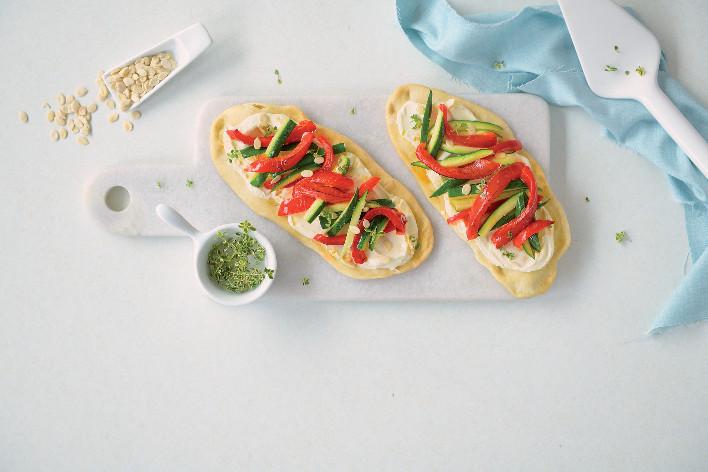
(203,243)
(596,27)
(184,46)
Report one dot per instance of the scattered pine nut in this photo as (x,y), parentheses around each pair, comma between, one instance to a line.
(136,115)
(54,135)
(128,126)
(466,189)
(355,229)
(63,133)
(257,143)
(92,108)
(23,116)
(82,140)
(46,105)
(113,117)
(70,99)
(81,91)
(306,173)
(61,99)
(110,104)
(50,116)
(318,160)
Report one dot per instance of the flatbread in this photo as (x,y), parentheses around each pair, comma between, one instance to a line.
(268,209)
(519,284)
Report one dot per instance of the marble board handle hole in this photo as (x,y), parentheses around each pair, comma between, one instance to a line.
(117,198)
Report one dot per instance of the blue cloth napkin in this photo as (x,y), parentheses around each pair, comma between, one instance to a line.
(539,58)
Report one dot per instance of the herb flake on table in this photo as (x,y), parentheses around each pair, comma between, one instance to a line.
(499,65)
(352,111)
(158,184)
(621,236)
(305,281)
(416,121)
(616,48)
(641,71)
(278,77)
(587,199)
(609,68)
(189,183)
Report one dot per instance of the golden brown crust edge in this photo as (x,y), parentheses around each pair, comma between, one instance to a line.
(268,209)
(519,284)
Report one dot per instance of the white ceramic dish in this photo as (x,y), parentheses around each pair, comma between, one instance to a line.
(184,46)
(203,243)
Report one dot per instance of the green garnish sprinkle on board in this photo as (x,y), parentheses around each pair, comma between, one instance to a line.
(189,183)
(640,70)
(277,76)
(416,121)
(305,281)
(499,65)
(609,68)
(352,111)
(621,236)
(235,261)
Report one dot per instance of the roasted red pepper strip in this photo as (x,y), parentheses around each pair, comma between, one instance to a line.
(512,145)
(332,179)
(485,139)
(476,170)
(284,161)
(315,190)
(493,188)
(396,220)
(395,217)
(506,232)
(294,136)
(329,159)
(533,228)
(358,255)
(369,185)
(295,205)
(458,216)
(330,240)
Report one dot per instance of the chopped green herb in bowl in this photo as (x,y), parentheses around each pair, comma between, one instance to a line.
(236,260)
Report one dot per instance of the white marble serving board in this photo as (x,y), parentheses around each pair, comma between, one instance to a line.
(450,273)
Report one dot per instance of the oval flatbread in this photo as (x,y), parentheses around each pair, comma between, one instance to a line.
(231,117)
(520,284)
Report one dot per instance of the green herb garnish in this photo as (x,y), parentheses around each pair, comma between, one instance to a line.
(460,126)
(233,154)
(587,199)
(235,261)
(508,254)
(327,218)
(158,184)
(621,236)
(352,111)
(640,70)
(609,68)
(277,76)
(626,72)
(305,281)
(190,183)
(616,48)
(416,121)
(499,65)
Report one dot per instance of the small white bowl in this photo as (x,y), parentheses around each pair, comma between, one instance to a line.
(184,46)
(203,243)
